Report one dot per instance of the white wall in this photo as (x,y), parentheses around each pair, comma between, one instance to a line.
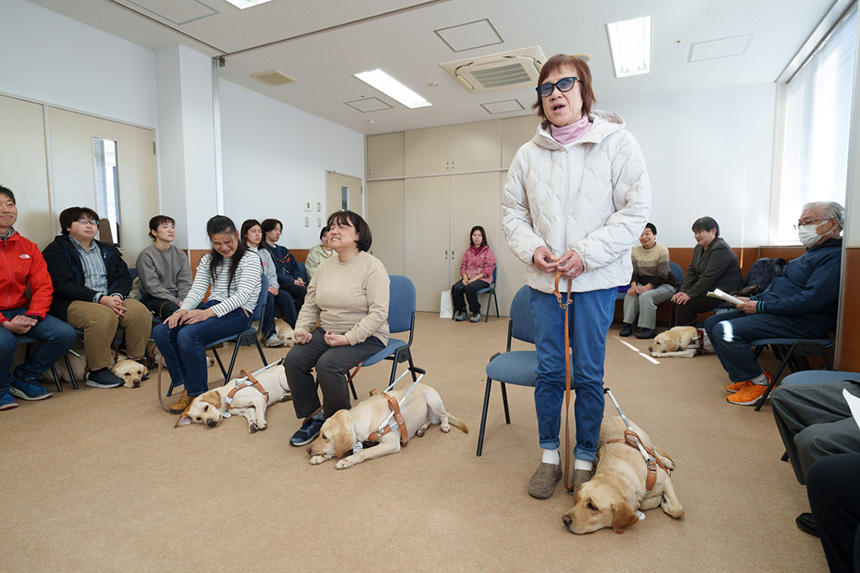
(51,58)
(275,158)
(708,153)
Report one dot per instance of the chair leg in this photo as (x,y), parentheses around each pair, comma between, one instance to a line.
(220,364)
(350,377)
(70,371)
(776,376)
(484,417)
(232,363)
(505,402)
(260,350)
(56,377)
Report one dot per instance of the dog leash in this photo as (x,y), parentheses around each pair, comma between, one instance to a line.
(630,437)
(387,425)
(567,357)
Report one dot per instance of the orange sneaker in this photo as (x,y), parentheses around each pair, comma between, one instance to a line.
(737,386)
(748,396)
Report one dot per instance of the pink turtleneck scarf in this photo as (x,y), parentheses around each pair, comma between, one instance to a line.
(572,132)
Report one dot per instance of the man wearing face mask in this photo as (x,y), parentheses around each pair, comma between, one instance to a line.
(802,303)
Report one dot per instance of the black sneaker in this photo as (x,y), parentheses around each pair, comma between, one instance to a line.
(460,315)
(476,317)
(103,378)
(646,333)
(309,430)
(626,330)
(806,523)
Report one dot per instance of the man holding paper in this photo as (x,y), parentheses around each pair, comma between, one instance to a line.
(802,303)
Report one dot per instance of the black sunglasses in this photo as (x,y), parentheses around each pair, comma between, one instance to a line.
(563,85)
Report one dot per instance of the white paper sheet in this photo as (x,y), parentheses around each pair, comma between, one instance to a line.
(854,404)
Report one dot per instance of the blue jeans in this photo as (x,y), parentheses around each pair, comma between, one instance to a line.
(55,338)
(589,320)
(731,333)
(184,347)
(288,309)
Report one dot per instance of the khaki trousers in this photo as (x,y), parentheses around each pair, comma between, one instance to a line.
(99,324)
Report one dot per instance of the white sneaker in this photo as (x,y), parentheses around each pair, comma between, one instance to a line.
(273,340)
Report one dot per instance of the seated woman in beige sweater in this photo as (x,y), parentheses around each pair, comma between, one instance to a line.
(348,295)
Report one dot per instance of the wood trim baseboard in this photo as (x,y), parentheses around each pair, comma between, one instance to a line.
(848,348)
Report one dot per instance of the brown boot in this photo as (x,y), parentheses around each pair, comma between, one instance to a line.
(180,405)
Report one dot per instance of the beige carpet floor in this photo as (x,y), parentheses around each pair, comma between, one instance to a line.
(99,480)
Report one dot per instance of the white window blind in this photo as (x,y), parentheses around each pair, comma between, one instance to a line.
(817,124)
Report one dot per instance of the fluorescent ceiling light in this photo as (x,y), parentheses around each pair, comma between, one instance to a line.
(630,43)
(392,88)
(242,4)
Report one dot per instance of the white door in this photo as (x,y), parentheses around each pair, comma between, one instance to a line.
(23,167)
(342,192)
(385,215)
(75,177)
(428,258)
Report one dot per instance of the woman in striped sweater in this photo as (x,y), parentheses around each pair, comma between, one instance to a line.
(232,274)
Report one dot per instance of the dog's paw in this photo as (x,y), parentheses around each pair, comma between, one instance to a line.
(445,426)
(317,460)
(344,463)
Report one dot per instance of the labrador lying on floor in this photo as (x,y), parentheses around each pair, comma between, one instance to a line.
(209,408)
(284,332)
(618,488)
(130,372)
(673,340)
(348,428)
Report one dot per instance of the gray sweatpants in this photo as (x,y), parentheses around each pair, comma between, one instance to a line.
(814,421)
(645,305)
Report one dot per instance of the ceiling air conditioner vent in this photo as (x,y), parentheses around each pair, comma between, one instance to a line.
(273,77)
(502,71)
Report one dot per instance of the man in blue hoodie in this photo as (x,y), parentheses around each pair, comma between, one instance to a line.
(802,303)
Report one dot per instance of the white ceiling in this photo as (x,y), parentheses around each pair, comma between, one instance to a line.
(333,39)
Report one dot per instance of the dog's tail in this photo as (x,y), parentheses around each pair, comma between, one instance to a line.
(457,423)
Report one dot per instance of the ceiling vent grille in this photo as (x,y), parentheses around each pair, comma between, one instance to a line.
(273,78)
(502,71)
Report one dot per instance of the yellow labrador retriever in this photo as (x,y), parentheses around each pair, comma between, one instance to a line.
(674,339)
(209,408)
(618,488)
(347,429)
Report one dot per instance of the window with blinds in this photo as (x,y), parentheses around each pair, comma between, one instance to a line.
(817,114)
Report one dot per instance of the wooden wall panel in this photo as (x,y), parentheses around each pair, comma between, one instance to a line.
(848,357)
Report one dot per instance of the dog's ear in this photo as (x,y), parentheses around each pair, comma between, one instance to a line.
(183,420)
(212,397)
(623,516)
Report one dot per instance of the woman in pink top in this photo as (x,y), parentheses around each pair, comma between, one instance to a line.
(476,272)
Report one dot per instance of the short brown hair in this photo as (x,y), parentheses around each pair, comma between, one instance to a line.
(354,220)
(583,72)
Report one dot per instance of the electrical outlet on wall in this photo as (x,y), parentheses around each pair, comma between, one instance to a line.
(307,222)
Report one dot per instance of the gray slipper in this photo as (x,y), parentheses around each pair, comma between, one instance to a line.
(580,477)
(542,483)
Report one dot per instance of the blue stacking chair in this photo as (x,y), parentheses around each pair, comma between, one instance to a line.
(512,367)
(491,290)
(402,301)
(244,338)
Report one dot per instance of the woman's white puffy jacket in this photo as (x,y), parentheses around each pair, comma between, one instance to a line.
(591,196)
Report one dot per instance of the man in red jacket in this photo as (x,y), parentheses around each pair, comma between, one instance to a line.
(22,265)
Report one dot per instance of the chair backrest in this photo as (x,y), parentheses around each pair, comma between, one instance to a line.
(678,272)
(402,301)
(261,298)
(522,326)
(495,268)
(303,270)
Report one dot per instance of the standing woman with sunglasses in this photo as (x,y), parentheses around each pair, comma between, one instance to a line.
(575,202)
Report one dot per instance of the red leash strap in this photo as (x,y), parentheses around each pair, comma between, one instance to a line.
(566,305)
